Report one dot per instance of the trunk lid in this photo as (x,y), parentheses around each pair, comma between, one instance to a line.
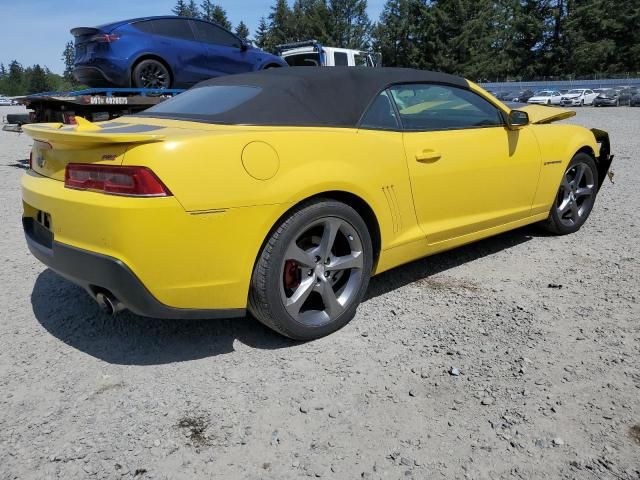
(540,114)
(56,145)
(82,40)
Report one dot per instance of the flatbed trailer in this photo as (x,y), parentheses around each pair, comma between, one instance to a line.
(93,104)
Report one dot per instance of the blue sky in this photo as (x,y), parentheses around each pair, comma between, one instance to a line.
(35,31)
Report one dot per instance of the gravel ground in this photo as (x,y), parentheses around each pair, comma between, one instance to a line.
(542,332)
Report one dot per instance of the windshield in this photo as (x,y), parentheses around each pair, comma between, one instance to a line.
(543,93)
(577,92)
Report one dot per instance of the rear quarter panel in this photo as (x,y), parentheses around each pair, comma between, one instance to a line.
(205,171)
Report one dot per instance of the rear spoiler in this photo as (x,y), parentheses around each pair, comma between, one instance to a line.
(80,31)
(87,133)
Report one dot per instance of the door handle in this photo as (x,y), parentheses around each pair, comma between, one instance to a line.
(428,156)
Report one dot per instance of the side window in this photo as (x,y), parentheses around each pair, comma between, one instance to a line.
(303,60)
(146,27)
(589,92)
(425,107)
(361,60)
(213,34)
(174,28)
(340,59)
(380,115)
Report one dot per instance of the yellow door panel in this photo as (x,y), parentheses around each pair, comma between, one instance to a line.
(470,180)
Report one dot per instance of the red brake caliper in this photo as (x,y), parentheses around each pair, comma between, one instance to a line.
(291,275)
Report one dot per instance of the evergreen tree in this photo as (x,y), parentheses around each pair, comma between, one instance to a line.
(186,9)
(180,9)
(15,80)
(220,17)
(310,21)
(3,70)
(349,23)
(37,80)
(242,31)
(215,13)
(262,33)
(280,25)
(603,36)
(192,9)
(68,57)
(402,35)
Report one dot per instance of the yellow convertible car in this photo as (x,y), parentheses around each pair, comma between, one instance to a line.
(281,192)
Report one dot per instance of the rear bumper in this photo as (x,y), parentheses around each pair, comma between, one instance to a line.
(101,75)
(188,262)
(98,273)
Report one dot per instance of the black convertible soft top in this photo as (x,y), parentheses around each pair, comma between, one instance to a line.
(294,96)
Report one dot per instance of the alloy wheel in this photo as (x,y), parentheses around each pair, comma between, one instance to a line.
(154,75)
(576,195)
(322,271)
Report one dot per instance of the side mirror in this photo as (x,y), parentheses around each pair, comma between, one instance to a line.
(517,119)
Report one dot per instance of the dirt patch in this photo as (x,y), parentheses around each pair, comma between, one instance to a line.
(448,283)
(635,433)
(194,428)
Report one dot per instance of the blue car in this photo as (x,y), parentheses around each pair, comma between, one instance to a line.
(162,52)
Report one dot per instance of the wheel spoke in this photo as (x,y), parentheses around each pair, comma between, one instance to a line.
(294,252)
(584,191)
(346,262)
(579,174)
(575,212)
(294,302)
(331,304)
(565,205)
(565,185)
(331,228)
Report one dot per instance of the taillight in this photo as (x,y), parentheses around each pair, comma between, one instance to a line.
(115,180)
(104,38)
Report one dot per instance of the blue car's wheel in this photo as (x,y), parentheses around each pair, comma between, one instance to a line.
(151,73)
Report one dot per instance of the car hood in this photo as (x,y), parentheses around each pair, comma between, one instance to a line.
(571,95)
(541,114)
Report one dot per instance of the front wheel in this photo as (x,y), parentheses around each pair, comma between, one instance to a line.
(313,271)
(576,196)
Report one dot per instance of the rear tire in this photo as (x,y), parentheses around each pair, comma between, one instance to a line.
(313,271)
(576,196)
(151,73)
(18,118)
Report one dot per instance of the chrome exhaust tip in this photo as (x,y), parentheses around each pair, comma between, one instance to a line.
(108,303)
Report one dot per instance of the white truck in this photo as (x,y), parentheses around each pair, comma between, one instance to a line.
(312,54)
